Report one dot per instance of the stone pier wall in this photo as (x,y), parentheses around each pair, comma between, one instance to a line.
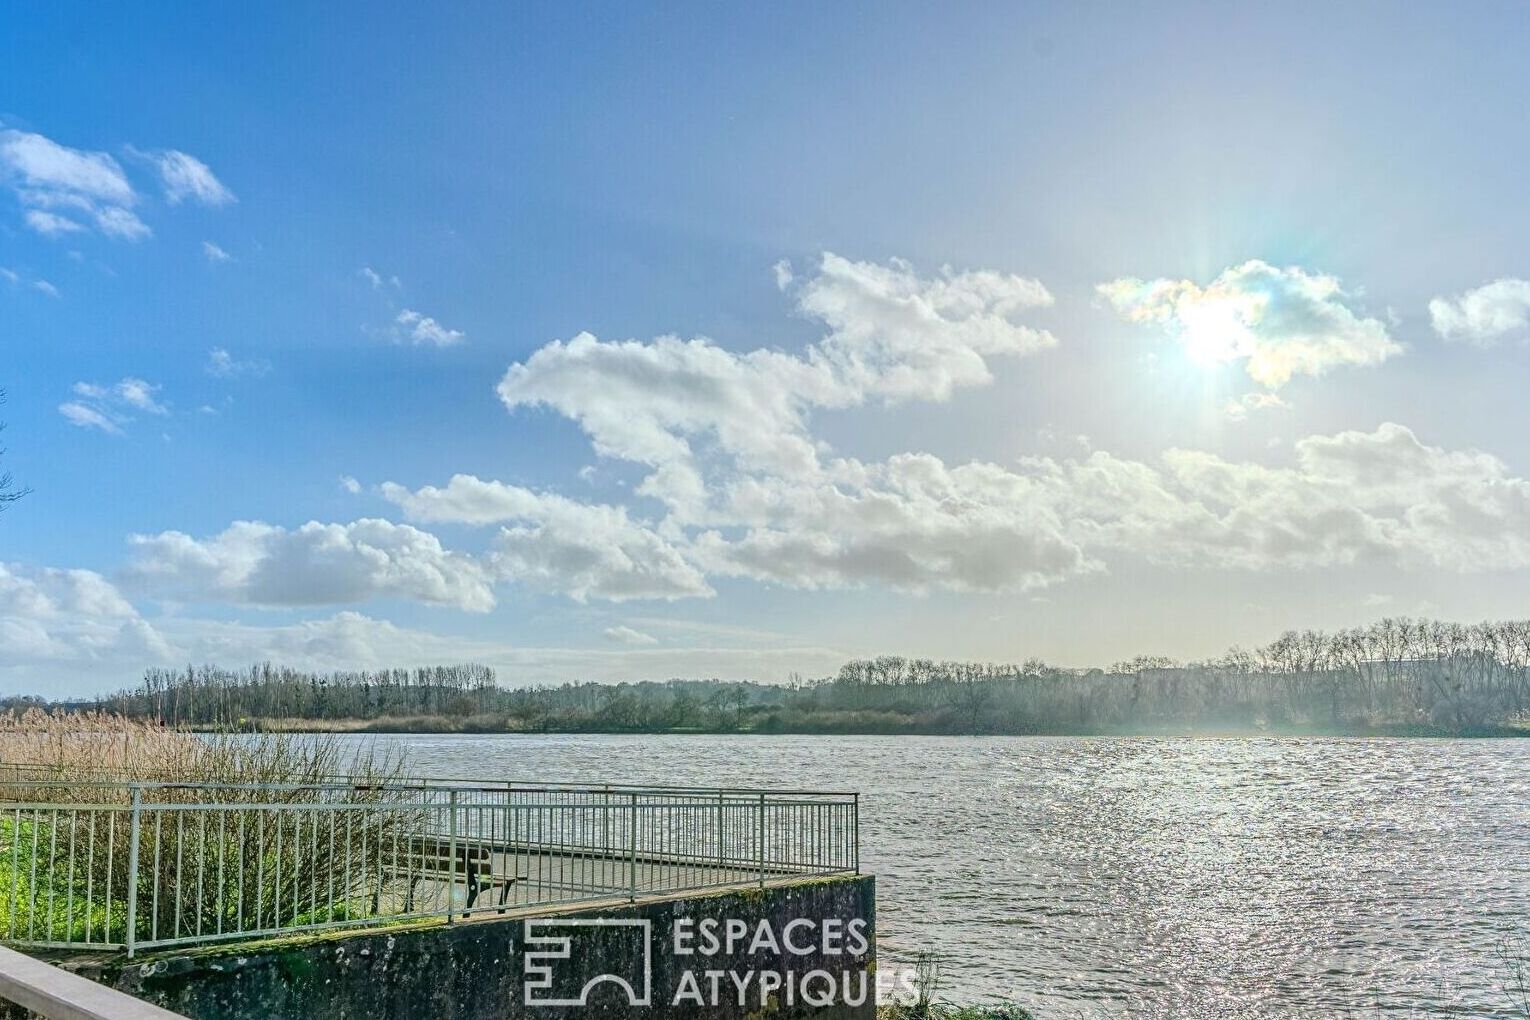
(801,949)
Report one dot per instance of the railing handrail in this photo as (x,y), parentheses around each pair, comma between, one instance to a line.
(56,994)
(445,783)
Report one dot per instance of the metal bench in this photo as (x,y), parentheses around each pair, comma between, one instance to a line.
(429,857)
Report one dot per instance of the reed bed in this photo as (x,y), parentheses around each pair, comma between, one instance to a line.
(235,833)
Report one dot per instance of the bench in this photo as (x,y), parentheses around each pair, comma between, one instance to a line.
(429,857)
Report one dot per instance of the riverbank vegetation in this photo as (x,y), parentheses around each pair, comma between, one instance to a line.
(1397,676)
(64,869)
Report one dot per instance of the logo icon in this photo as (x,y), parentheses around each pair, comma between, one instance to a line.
(553,976)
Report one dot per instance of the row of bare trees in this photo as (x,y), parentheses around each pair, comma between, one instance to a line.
(201,695)
(1396,672)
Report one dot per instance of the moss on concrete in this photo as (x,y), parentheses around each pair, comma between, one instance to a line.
(472,970)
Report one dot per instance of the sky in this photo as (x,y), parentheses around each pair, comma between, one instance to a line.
(620,341)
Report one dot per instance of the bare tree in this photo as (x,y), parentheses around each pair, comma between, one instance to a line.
(9,491)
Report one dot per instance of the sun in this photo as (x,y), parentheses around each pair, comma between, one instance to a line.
(1213,331)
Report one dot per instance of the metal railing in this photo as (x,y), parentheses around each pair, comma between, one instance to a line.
(44,990)
(136,865)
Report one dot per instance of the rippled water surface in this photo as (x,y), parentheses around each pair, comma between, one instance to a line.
(1174,878)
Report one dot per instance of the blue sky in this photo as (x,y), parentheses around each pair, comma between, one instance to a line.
(1063,330)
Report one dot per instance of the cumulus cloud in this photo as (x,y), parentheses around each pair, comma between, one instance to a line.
(624,635)
(750,492)
(53,616)
(62,190)
(1382,496)
(1483,316)
(897,335)
(110,408)
(262,564)
(1378,496)
(671,403)
(911,523)
(422,329)
(1276,322)
(559,545)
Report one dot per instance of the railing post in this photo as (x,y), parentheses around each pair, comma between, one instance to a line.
(762,840)
(855,830)
(632,850)
(721,853)
(132,876)
(451,879)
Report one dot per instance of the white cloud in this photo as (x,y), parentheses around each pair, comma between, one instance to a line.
(42,163)
(110,408)
(625,635)
(1276,322)
(673,403)
(62,189)
(750,492)
(896,335)
(121,224)
(316,564)
(375,278)
(1483,316)
(350,484)
(50,617)
(911,523)
(1239,409)
(223,365)
(86,416)
(50,224)
(36,283)
(185,177)
(138,394)
(1380,496)
(422,329)
(560,545)
(214,253)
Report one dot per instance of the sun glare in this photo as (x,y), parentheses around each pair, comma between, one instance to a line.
(1212,331)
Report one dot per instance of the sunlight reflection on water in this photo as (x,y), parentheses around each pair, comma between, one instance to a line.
(1143,877)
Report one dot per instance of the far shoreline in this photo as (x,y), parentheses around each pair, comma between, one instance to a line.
(446,726)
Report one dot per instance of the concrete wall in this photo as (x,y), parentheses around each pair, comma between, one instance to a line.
(478,970)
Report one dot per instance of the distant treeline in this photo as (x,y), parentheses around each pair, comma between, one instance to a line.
(1397,675)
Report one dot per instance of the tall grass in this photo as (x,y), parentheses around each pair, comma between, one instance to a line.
(236,834)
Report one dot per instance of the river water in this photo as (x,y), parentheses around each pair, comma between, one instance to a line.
(1104,877)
